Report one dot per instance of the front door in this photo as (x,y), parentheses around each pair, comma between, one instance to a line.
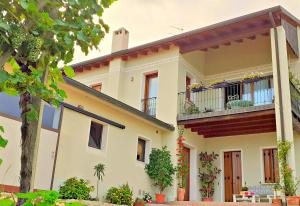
(186,179)
(232,174)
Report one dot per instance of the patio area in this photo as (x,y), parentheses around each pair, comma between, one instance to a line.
(196,203)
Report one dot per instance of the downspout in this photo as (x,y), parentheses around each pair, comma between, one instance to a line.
(282,130)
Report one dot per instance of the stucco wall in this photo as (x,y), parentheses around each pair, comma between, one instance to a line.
(251,147)
(11,155)
(75,158)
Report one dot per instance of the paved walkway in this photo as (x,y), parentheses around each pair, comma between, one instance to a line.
(191,203)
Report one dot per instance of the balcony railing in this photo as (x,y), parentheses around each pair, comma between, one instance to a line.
(232,96)
(149,106)
(295,99)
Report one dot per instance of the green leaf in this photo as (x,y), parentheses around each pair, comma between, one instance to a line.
(10,91)
(3,76)
(68,57)
(4,26)
(69,71)
(6,202)
(3,142)
(82,37)
(1,129)
(24,4)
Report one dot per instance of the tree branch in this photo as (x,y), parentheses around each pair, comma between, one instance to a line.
(4,58)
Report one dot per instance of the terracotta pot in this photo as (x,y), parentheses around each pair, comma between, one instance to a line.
(180,194)
(293,200)
(207,199)
(139,204)
(160,198)
(277,202)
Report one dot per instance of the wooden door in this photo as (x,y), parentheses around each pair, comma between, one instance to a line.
(232,174)
(186,179)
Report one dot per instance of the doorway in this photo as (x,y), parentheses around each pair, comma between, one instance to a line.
(186,179)
(232,174)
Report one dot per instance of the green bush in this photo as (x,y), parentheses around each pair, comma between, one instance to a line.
(160,168)
(74,188)
(120,196)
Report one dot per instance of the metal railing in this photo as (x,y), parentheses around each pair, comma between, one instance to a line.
(230,96)
(295,99)
(149,106)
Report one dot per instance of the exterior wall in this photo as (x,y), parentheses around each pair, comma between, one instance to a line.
(75,158)
(10,168)
(251,149)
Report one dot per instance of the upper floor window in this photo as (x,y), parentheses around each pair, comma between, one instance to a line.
(150,94)
(187,86)
(271,168)
(141,150)
(97,87)
(95,138)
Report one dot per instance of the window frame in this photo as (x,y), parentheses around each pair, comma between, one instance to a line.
(101,138)
(141,140)
(147,150)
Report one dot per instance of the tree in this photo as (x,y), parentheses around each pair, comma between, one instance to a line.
(160,168)
(99,173)
(35,37)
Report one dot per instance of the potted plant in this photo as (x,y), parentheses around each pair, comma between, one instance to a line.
(244,189)
(99,173)
(147,198)
(161,170)
(139,202)
(182,167)
(253,77)
(289,185)
(208,174)
(218,84)
(197,87)
(277,195)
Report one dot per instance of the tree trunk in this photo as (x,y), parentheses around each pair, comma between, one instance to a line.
(29,144)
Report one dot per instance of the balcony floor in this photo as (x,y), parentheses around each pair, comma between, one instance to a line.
(242,121)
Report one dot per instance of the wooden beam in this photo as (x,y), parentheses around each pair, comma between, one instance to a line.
(246,122)
(124,58)
(154,49)
(143,52)
(241,132)
(165,46)
(239,40)
(230,118)
(222,40)
(227,43)
(237,128)
(253,37)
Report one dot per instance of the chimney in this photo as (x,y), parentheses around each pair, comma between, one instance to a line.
(120,40)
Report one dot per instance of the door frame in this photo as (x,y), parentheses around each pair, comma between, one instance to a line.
(194,185)
(222,182)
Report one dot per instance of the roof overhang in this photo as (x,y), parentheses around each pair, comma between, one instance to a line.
(210,37)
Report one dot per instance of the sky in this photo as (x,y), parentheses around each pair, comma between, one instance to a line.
(150,20)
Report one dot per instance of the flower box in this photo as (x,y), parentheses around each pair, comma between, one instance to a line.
(253,77)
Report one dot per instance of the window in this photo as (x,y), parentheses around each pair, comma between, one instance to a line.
(95,138)
(141,150)
(187,86)
(271,168)
(151,90)
(97,87)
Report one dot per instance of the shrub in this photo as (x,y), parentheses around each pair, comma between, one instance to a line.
(160,168)
(120,196)
(74,188)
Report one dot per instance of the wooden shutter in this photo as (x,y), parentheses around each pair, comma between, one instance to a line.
(228,176)
(237,172)
(271,168)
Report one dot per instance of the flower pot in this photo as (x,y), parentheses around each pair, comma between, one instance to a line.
(293,200)
(219,85)
(276,202)
(180,194)
(250,80)
(207,199)
(139,204)
(160,198)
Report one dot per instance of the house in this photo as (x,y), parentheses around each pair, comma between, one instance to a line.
(121,105)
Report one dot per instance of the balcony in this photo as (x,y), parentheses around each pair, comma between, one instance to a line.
(234,109)
(149,106)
